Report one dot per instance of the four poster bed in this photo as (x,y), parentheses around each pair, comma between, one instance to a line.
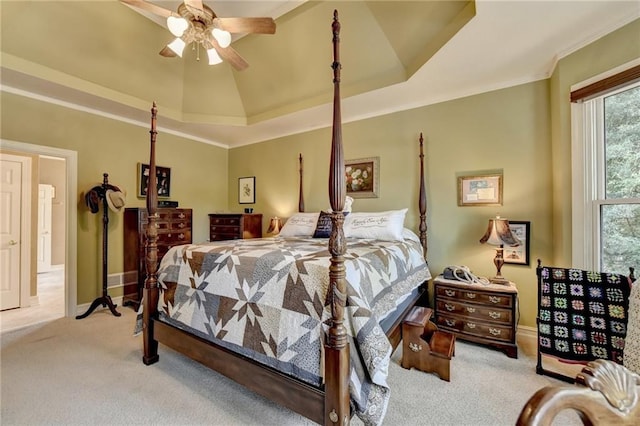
(308,323)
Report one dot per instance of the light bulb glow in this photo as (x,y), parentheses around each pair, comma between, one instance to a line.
(177,26)
(222,37)
(177,46)
(214,58)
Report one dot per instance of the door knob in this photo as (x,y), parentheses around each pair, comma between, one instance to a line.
(13,242)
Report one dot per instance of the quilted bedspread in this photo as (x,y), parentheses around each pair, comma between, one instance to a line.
(265,299)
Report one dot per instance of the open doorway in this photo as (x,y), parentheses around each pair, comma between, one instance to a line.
(53,267)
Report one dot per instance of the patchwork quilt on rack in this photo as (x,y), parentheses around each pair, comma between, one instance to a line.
(582,314)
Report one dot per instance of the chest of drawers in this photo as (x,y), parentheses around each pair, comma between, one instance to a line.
(234,226)
(478,313)
(174,228)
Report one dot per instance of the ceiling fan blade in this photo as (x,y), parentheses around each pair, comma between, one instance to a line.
(195,6)
(149,7)
(247,25)
(230,55)
(168,53)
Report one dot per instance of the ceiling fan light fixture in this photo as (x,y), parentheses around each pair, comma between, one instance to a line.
(177,25)
(222,37)
(177,46)
(214,58)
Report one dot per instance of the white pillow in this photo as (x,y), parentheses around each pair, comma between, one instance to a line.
(386,226)
(300,225)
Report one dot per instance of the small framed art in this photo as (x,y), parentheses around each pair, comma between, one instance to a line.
(247,190)
(483,190)
(518,255)
(163,181)
(362,177)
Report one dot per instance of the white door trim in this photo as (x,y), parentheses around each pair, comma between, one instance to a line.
(71,228)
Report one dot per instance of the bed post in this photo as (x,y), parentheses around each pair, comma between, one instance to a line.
(422,203)
(336,374)
(300,195)
(150,290)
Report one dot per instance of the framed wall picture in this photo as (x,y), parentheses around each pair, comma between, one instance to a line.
(247,190)
(362,177)
(518,255)
(483,190)
(163,181)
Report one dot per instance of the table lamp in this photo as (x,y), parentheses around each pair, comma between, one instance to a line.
(275,225)
(499,234)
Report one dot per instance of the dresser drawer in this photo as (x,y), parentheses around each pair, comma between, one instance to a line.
(485,313)
(225,220)
(476,328)
(475,296)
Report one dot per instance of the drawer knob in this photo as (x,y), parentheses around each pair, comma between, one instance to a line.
(181,236)
(450,322)
(471,295)
(494,331)
(471,325)
(495,315)
(181,225)
(470,309)
(181,215)
(494,299)
(450,293)
(449,307)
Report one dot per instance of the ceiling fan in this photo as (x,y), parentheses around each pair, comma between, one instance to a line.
(196,23)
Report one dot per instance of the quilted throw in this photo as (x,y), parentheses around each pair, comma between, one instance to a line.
(265,299)
(582,314)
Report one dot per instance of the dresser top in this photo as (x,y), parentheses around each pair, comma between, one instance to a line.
(502,288)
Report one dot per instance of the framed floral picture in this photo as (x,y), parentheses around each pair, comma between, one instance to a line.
(247,190)
(362,177)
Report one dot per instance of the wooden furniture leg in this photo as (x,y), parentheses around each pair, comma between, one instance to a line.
(424,346)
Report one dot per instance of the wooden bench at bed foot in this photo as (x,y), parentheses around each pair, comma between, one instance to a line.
(424,346)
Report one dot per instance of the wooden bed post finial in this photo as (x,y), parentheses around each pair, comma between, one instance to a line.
(337,369)
(150,289)
(422,202)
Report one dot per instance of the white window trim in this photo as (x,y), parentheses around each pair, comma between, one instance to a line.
(586,148)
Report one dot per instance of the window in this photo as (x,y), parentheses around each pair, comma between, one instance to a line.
(606,177)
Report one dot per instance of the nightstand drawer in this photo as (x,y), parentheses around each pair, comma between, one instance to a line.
(225,220)
(231,226)
(476,328)
(475,296)
(485,313)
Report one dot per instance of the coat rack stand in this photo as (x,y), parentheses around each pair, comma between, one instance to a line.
(105,299)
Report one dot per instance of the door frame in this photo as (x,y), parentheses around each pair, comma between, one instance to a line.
(71,228)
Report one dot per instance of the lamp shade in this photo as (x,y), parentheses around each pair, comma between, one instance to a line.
(177,46)
(275,225)
(498,233)
(214,58)
(222,37)
(177,25)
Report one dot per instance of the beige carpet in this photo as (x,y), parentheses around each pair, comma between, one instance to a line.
(79,372)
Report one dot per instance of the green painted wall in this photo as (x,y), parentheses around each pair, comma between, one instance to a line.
(198,173)
(506,130)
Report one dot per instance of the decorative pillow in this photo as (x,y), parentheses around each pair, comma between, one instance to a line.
(386,226)
(300,225)
(632,339)
(324,226)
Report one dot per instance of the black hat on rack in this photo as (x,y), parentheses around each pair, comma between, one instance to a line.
(93,197)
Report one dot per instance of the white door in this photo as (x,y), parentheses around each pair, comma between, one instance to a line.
(11,171)
(45,197)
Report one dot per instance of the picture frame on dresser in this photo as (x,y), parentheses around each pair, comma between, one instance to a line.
(247,190)
(163,181)
(519,255)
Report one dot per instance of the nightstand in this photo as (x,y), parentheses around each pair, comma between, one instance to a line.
(479,313)
(233,226)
